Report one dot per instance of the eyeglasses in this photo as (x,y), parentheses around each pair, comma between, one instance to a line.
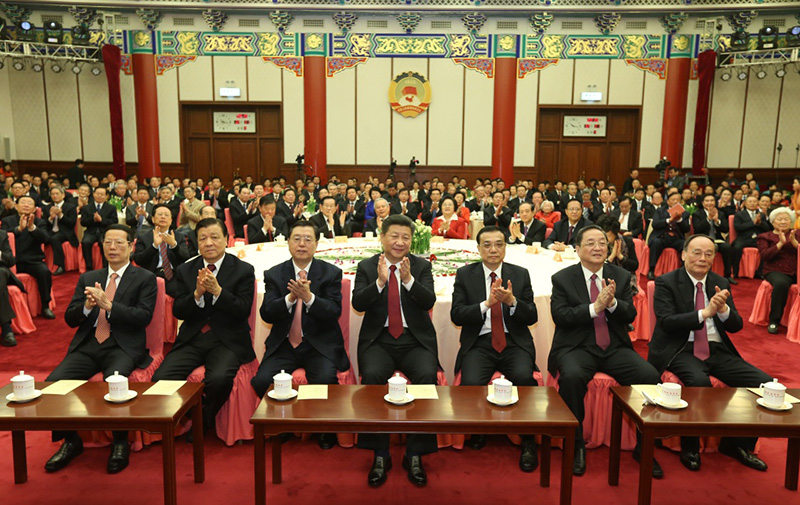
(591,244)
(302,238)
(115,243)
(699,252)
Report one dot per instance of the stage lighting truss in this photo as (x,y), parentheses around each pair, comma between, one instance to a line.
(62,55)
(762,59)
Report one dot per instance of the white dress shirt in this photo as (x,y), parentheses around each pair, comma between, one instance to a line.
(711,328)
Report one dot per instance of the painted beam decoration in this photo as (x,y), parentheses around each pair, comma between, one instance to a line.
(483,65)
(527,65)
(656,67)
(335,65)
(410,94)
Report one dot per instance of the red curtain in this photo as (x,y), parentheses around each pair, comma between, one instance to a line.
(112,59)
(706,63)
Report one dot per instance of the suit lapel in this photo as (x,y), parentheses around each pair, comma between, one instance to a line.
(687,290)
(580,282)
(125,281)
(479,280)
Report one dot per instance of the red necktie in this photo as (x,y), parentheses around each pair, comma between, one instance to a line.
(569,234)
(498,332)
(296,331)
(700,336)
(600,323)
(395,316)
(207,327)
(103,329)
(165,264)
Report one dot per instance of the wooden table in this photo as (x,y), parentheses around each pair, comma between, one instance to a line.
(85,409)
(718,412)
(461,409)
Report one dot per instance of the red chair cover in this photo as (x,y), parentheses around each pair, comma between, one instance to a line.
(651,289)
(643,254)
(667,262)
(30,284)
(97,258)
(760,313)
(70,257)
(793,324)
(170,323)
(750,256)
(641,325)
(23,323)
(229,227)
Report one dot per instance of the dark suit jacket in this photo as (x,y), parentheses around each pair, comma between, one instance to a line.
(286,212)
(239,216)
(661,224)
(745,227)
(569,306)
(701,225)
(428,216)
(565,199)
(66,223)
(228,317)
(318,220)
(223,198)
(132,220)
(635,225)
(108,215)
(412,209)
(469,293)
(514,203)
(76,176)
(416,303)
(320,322)
(673,303)
(536,233)
(7,278)
(146,256)
(130,314)
(372,225)
(598,210)
(354,222)
(28,244)
(255,232)
(502,222)
(561,232)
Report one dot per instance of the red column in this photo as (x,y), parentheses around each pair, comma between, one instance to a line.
(144,89)
(314,115)
(673,128)
(505,104)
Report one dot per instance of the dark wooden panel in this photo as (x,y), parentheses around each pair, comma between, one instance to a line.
(270,159)
(547,161)
(621,125)
(197,121)
(269,121)
(199,157)
(595,160)
(550,121)
(245,157)
(620,161)
(224,159)
(570,167)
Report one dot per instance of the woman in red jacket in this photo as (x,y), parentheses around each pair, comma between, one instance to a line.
(449,224)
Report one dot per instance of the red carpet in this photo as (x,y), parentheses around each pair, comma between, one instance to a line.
(312,476)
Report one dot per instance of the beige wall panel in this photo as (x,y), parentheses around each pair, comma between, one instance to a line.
(691,114)
(444,127)
(789,128)
(409,134)
(30,117)
(293,134)
(169,130)
(230,72)
(652,120)
(95,117)
(264,80)
(62,115)
(129,116)
(478,118)
(590,75)
(625,84)
(555,84)
(525,121)
(7,124)
(725,126)
(340,99)
(761,120)
(373,113)
(195,80)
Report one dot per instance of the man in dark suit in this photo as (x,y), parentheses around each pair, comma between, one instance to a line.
(111,308)
(395,292)
(242,208)
(709,221)
(493,304)
(557,195)
(61,218)
(479,201)
(694,313)
(217,197)
(303,302)
(522,197)
(748,223)
(431,210)
(375,224)
(354,208)
(7,278)
(30,235)
(498,214)
(565,231)
(604,205)
(572,194)
(214,296)
(265,226)
(327,221)
(639,202)
(288,207)
(96,216)
(157,248)
(669,229)
(630,221)
(527,230)
(403,206)
(592,307)
(76,175)
(137,216)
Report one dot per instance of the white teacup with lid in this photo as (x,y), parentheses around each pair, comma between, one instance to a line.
(397,388)
(283,384)
(774,393)
(117,386)
(502,388)
(23,386)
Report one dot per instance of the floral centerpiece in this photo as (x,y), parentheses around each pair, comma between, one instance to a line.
(421,240)
(691,208)
(311,205)
(116,202)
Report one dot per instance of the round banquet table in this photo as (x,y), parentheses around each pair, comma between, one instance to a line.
(541,266)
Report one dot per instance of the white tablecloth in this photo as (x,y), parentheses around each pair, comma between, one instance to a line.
(541,267)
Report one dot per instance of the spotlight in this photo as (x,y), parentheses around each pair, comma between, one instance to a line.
(18,65)
(742,75)
(740,40)
(56,67)
(780,73)
(768,37)
(80,35)
(96,70)
(37,66)
(26,32)
(761,73)
(793,37)
(76,69)
(53,32)
(726,76)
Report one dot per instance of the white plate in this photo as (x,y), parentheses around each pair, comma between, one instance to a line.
(131,396)
(512,401)
(785,406)
(36,394)
(682,405)
(408,399)
(271,394)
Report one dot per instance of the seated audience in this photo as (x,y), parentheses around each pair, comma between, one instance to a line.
(526,230)
(670,226)
(329,222)
(96,216)
(190,208)
(778,249)
(547,215)
(565,231)
(7,278)
(61,217)
(266,225)
(449,224)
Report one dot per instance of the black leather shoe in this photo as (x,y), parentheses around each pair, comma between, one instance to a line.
(416,472)
(743,456)
(48,314)
(733,281)
(379,471)
(327,441)
(772,329)
(58,271)
(691,460)
(8,340)
(651,276)
(658,472)
(579,463)
(476,442)
(66,453)
(529,459)
(118,459)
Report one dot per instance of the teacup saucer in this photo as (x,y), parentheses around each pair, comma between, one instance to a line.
(271,394)
(512,401)
(785,406)
(131,395)
(680,406)
(408,399)
(36,394)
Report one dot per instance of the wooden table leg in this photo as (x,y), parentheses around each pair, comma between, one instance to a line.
(566,467)
(197,442)
(276,459)
(792,463)
(260,465)
(168,455)
(616,444)
(646,467)
(20,457)
(544,468)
